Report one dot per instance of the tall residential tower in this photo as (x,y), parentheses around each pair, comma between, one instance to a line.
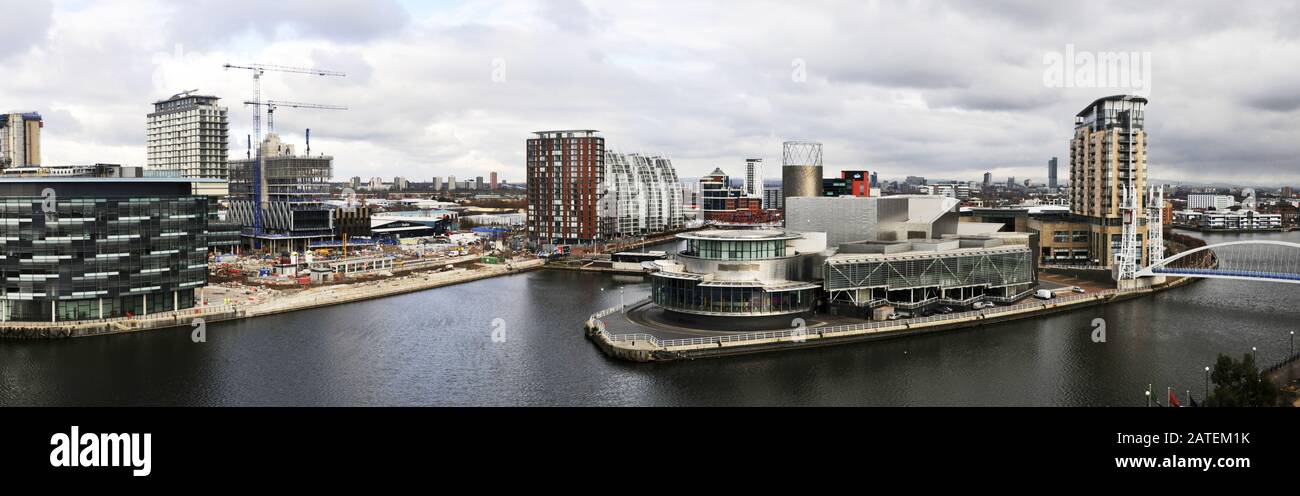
(188,133)
(566,175)
(1108,173)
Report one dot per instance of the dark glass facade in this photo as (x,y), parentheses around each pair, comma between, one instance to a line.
(737,273)
(100,247)
(690,296)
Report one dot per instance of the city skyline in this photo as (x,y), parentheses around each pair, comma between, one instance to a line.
(965,102)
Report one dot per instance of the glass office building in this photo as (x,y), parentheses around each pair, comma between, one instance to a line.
(734,273)
(88,248)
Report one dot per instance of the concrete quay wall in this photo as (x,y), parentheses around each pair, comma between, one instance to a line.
(646,351)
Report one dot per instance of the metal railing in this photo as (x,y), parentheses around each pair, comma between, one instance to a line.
(823,332)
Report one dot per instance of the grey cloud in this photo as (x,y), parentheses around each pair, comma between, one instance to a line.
(929,88)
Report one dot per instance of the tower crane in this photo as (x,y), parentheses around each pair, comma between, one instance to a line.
(259,190)
(272,104)
(258,70)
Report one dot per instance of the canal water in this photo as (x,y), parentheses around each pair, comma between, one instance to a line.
(437,347)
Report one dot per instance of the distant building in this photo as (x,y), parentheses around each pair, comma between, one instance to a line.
(20,139)
(1205,202)
(773,199)
(1246,220)
(719,201)
(451,183)
(988,180)
(436,183)
(753,183)
(565,174)
(1051,173)
(189,133)
(493,181)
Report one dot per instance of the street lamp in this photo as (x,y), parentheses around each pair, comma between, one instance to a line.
(1254,355)
(1148,393)
(1207,383)
(1292,344)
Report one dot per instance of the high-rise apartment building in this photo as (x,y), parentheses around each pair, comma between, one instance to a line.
(1108,163)
(188,133)
(753,184)
(642,195)
(20,139)
(1051,174)
(492,181)
(565,175)
(988,180)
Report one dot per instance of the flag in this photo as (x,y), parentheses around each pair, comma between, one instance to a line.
(1173,400)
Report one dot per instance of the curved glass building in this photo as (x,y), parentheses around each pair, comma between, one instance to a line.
(735,273)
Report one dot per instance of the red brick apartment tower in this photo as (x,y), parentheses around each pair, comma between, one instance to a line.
(566,174)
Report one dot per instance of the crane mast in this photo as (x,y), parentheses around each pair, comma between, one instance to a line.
(259,189)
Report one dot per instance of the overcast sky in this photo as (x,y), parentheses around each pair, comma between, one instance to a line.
(942,90)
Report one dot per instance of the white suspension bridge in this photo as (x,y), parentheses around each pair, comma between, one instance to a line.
(1248,260)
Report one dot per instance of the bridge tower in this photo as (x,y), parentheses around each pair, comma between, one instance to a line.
(1129,255)
(1155,225)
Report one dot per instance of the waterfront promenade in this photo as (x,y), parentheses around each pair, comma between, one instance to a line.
(618,336)
(287,301)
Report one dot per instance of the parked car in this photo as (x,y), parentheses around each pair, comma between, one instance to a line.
(1044,294)
(980,305)
(944,310)
(894,316)
(1077,289)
